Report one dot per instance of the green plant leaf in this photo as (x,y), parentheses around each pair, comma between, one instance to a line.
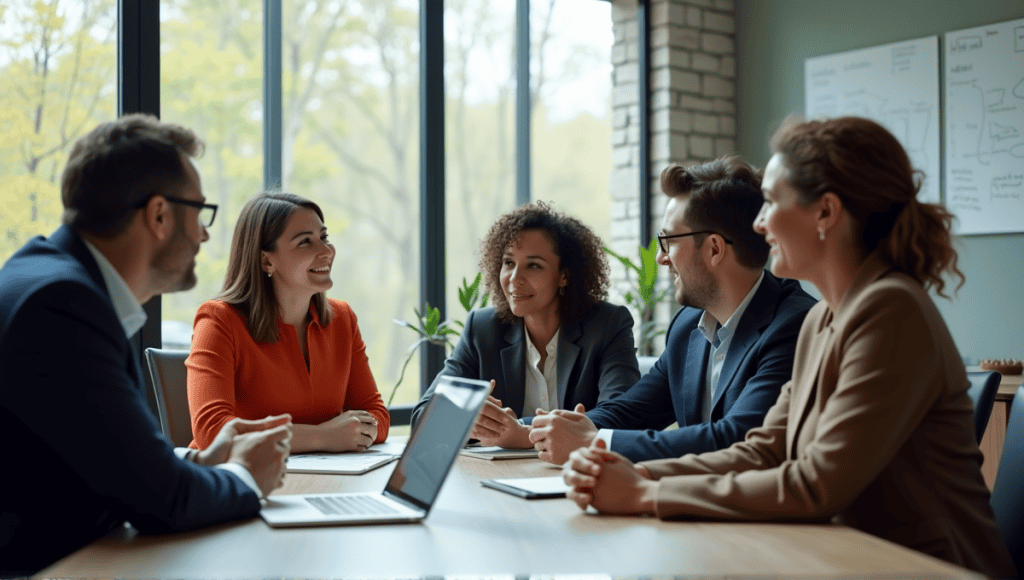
(625,261)
(431,320)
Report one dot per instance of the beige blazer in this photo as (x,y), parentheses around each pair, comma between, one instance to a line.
(875,430)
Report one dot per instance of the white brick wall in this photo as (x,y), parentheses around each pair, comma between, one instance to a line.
(693,109)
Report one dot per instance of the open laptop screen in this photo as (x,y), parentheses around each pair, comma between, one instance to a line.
(439,435)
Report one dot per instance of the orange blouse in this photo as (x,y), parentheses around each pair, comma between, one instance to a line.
(231,375)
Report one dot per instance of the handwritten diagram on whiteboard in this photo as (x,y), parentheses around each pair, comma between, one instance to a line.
(984,150)
(896,85)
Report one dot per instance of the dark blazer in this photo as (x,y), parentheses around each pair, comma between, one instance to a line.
(875,430)
(596,358)
(84,451)
(759,362)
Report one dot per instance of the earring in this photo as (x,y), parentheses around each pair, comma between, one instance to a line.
(561,290)
(270,274)
(821,234)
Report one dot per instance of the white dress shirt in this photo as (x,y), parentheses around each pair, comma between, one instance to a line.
(132,318)
(720,338)
(541,387)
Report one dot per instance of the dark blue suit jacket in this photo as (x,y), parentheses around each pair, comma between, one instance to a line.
(759,362)
(596,358)
(82,451)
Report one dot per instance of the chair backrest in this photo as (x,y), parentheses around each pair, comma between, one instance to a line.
(1007,498)
(167,369)
(646,363)
(983,389)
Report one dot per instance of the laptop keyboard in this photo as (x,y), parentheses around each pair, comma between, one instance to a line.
(335,505)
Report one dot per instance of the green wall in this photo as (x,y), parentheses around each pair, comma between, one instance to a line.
(773,37)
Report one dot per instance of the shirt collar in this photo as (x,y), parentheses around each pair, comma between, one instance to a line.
(127,308)
(709,326)
(531,351)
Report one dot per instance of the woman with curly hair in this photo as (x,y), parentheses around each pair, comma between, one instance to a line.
(550,340)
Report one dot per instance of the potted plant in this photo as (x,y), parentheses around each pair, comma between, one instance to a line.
(431,330)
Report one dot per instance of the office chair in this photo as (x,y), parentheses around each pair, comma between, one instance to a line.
(167,369)
(982,391)
(1007,499)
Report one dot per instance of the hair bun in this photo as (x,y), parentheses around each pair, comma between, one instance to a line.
(686,181)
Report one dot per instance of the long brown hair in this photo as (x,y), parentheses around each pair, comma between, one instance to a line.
(866,167)
(246,287)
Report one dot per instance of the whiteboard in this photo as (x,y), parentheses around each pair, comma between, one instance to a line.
(984,148)
(895,85)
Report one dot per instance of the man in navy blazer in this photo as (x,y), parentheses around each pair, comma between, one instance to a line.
(729,349)
(82,450)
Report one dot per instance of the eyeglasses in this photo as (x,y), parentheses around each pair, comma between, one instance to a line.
(207,211)
(664,245)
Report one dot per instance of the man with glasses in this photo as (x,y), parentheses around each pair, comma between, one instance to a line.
(729,349)
(84,453)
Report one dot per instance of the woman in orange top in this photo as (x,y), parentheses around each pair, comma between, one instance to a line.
(272,342)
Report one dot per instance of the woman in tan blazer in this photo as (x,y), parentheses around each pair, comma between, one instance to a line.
(875,430)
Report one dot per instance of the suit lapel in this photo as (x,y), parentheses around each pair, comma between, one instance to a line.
(66,239)
(568,352)
(804,391)
(759,314)
(693,377)
(513,366)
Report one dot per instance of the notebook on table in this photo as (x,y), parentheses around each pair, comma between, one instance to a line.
(339,463)
(410,492)
(492,453)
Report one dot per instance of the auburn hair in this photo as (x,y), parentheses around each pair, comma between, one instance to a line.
(866,167)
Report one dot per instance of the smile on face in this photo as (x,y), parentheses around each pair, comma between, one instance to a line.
(789,227)
(531,275)
(690,277)
(302,259)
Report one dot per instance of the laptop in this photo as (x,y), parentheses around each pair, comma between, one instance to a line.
(428,457)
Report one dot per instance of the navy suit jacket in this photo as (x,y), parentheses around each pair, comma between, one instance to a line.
(758,363)
(596,358)
(85,454)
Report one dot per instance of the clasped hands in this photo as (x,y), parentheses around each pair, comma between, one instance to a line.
(554,434)
(261,447)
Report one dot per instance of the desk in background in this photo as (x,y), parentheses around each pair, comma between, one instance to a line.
(479,531)
(995,431)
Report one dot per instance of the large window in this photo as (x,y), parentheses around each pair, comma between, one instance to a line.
(570,117)
(57,78)
(480,147)
(211,71)
(350,142)
(571,85)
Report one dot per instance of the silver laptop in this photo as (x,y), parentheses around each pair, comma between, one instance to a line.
(428,457)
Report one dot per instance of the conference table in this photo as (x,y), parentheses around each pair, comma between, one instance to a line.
(478,532)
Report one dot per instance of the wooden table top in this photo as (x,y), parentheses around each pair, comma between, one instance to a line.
(475,531)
